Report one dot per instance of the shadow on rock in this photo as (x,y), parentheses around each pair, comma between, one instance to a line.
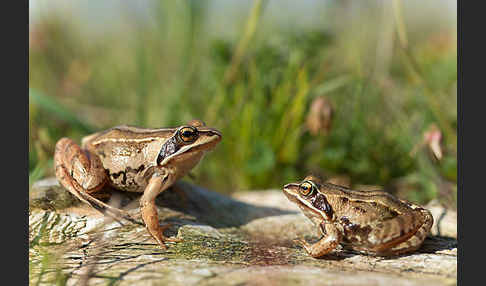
(212,208)
(433,244)
(204,206)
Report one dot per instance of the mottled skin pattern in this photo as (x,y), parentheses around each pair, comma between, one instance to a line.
(132,159)
(371,222)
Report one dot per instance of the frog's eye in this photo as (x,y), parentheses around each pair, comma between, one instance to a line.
(188,134)
(306,188)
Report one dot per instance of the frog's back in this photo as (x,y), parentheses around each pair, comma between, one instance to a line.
(373,220)
(127,153)
(364,205)
(127,133)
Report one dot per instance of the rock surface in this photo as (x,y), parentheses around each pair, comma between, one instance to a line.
(244,239)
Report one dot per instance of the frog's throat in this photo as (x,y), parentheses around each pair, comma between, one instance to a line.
(307,208)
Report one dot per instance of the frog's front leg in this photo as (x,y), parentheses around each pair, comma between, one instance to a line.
(157,184)
(331,239)
(82,174)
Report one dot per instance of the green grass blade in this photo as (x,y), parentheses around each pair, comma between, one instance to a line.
(50,105)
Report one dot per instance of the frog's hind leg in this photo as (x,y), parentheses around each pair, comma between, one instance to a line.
(416,239)
(82,174)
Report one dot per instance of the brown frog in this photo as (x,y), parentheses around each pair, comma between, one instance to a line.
(370,222)
(132,159)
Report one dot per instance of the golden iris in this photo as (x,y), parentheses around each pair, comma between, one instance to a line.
(188,134)
(306,188)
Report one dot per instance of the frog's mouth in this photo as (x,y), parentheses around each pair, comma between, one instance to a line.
(211,138)
(291,191)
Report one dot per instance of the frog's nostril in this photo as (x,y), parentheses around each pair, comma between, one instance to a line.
(215,133)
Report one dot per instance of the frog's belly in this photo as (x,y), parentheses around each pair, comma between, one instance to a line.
(127,183)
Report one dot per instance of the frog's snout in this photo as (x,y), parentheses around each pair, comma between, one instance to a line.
(291,189)
(216,133)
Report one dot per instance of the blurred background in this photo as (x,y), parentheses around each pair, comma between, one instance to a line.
(359,92)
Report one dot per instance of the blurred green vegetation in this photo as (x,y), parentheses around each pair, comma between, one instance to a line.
(387,86)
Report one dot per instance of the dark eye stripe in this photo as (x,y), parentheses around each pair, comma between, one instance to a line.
(320,202)
(169,148)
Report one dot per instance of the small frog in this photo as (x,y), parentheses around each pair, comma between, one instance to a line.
(132,159)
(370,222)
